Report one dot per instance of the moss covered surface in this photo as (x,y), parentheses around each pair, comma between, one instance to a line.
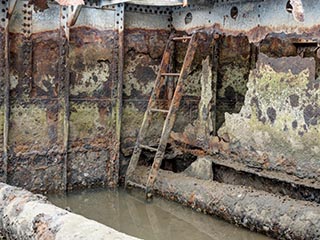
(280,119)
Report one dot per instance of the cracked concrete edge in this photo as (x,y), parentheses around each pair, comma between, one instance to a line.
(25,216)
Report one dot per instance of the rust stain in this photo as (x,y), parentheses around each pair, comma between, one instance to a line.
(258,33)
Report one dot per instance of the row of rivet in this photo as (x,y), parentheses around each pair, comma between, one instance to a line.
(27,47)
(3,21)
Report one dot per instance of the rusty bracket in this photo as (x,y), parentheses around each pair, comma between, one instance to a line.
(64,78)
(73,15)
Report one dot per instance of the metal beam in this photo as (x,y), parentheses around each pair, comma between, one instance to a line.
(118,61)
(64,76)
(6,99)
(6,13)
(27,48)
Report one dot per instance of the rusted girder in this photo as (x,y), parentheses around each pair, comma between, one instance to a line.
(6,78)
(64,80)
(7,11)
(120,19)
(27,49)
(114,161)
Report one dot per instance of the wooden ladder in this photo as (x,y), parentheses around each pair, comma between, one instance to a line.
(171,112)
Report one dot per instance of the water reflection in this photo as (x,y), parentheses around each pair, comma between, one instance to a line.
(160,220)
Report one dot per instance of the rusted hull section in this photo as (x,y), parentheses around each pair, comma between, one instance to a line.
(231,65)
(70,108)
(91,107)
(63,100)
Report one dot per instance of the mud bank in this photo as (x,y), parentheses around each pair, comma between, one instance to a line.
(24,215)
(275,216)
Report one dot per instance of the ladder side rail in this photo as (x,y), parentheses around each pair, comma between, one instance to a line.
(159,82)
(169,122)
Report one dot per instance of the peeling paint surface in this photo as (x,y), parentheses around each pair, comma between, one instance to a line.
(37,130)
(143,50)
(279,121)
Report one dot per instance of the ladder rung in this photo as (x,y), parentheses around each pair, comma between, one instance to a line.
(133,184)
(171,74)
(181,38)
(148,148)
(159,110)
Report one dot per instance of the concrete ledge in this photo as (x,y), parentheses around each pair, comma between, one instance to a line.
(25,216)
(275,216)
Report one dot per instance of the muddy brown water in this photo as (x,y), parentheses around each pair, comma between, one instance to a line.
(128,212)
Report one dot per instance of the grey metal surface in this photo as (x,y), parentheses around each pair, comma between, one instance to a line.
(46,20)
(96,18)
(269,14)
(15,24)
(146,21)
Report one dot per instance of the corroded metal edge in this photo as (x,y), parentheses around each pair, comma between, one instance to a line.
(275,216)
